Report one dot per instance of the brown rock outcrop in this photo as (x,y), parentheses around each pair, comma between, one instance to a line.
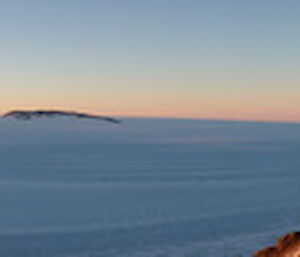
(287,246)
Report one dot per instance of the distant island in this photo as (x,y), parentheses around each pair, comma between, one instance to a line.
(28,115)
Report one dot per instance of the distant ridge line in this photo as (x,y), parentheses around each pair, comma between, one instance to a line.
(28,115)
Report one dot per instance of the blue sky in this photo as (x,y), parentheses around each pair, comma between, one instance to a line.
(210,59)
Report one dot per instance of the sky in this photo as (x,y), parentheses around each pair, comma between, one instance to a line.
(219,59)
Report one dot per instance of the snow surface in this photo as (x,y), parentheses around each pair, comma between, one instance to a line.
(147,188)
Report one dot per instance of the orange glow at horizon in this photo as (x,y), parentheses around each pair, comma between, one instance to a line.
(221,113)
(149,101)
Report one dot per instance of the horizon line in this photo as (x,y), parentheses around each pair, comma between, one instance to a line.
(139,116)
(209,119)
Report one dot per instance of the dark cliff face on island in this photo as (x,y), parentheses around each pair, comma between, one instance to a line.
(286,246)
(27,115)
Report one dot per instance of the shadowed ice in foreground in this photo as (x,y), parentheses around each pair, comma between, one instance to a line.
(152,188)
